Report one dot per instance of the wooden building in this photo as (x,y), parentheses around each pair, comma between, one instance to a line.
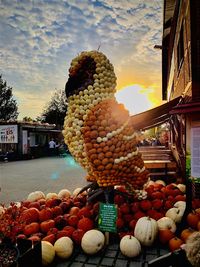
(181,78)
(180,84)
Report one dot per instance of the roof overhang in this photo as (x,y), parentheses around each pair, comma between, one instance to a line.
(186,108)
(170,14)
(154,117)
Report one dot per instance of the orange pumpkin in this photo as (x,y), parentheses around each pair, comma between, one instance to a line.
(31,228)
(175,243)
(197,211)
(30,215)
(192,219)
(198,226)
(165,235)
(186,233)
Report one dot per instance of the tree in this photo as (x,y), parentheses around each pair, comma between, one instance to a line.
(27,119)
(55,110)
(8,105)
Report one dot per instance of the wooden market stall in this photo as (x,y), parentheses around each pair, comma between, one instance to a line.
(23,140)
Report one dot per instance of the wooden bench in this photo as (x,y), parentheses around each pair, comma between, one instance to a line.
(159,161)
(157,157)
(159,151)
(163,168)
(153,148)
(159,164)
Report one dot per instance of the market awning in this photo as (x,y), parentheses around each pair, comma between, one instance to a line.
(186,108)
(154,117)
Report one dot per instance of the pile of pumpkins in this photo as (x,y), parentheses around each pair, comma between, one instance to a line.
(64,220)
(92,242)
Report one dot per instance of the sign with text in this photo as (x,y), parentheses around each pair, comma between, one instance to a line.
(107,217)
(8,134)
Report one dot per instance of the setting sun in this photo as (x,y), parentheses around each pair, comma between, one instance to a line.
(135,98)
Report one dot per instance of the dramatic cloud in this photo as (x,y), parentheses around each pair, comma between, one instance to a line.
(40,38)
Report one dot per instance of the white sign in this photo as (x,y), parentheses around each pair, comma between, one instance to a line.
(195,152)
(8,134)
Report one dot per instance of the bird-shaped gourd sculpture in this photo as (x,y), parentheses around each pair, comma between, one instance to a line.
(98,130)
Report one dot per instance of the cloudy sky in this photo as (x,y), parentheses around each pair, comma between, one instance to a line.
(38,40)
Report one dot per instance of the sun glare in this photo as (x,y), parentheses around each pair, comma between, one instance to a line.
(135,98)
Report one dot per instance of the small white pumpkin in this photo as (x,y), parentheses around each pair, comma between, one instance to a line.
(92,241)
(2,211)
(166,223)
(64,193)
(36,195)
(130,246)
(146,230)
(175,214)
(181,187)
(148,183)
(51,195)
(48,253)
(180,205)
(160,182)
(16,203)
(64,247)
(76,191)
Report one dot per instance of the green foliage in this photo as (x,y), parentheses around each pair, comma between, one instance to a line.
(55,110)
(8,105)
(27,119)
(188,166)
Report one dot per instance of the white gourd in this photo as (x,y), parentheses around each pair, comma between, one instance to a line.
(92,241)
(77,190)
(36,195)
(175,214)
(181,187)
(160,182)
(64,193)
(130,246)
(51,195)
(48,253)
(146,230)
(2,211)
(64,247)
(166,223)
(180,205)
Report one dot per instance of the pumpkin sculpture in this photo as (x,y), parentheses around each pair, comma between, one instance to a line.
(97,130)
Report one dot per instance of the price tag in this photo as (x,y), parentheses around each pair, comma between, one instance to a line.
(107,217)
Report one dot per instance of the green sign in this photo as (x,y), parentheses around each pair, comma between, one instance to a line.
(107,217)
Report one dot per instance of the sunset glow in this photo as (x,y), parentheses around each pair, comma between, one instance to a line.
(135,98)
(38,42)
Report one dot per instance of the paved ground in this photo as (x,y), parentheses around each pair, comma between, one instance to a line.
(19,178)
